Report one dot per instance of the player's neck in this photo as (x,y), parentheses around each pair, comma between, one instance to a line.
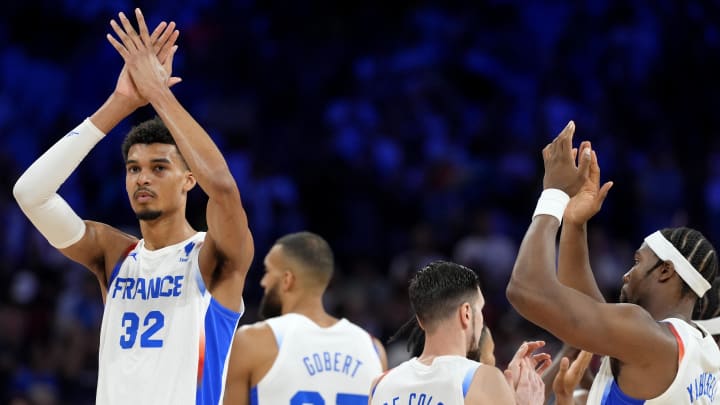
(313,309)
(165,231)
(444,341)
(662,309)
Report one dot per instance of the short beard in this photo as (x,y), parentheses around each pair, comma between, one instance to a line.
(148,215)
(270,305)
(473,352)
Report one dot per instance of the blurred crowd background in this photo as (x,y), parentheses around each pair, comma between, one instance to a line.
(400,131)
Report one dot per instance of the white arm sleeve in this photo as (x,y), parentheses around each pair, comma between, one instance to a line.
(36,190)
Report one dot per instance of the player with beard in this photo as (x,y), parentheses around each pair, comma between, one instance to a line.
(173,298)
(448,305)
(654,353)
(300,354)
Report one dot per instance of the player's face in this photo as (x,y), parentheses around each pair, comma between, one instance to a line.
(645,261)
(275,265)
(473,351)
(156,180)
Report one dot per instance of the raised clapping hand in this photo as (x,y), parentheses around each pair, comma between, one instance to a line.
(569,376)
(590,197)
(561,172)
(524,373)
(163,38)
(148,58)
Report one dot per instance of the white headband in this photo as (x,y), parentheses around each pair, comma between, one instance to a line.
(666,251)
(712,325)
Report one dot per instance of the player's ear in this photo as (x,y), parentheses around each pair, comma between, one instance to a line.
(665,270)
(465,314)
(190,181)
(288,280)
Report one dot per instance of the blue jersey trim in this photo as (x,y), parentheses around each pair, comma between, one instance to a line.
(613,395)
(253,396)
(469,374)
(220,325)
(120,262)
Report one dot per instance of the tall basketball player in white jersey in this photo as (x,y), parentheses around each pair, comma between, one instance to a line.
(654,353)
(300,354)
(448,305)
(173,298)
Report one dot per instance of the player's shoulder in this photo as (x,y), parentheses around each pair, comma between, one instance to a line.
(253,331)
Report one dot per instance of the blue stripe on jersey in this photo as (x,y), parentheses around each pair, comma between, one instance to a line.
(220,325)
(469,374)
(200,282)
(253,396)
(613,395)
(120,262)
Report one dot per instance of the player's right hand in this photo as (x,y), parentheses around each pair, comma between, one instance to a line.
(561,172)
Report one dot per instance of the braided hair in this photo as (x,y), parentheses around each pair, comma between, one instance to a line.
(697,250)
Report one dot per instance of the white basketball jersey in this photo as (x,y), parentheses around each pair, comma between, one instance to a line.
(447,381)
(164,338)
(314,365)
(696,381)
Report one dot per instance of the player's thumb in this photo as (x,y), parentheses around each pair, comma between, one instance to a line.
(509,378)
(604,190)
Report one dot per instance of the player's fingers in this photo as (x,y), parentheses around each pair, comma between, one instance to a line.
(157,32)
(123,37)
(142,26)
(167,39)
(129,30)
(560,376)
(167,52)
(584,165)
(118,46)
(580,364)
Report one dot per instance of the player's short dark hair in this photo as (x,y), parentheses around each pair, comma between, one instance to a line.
(312,252)
(696,249)
(147,132)
(439,289)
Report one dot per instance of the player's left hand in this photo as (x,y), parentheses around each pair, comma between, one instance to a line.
(561,172)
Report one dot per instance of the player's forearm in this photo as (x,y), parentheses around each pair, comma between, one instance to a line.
(36,190)
(200,152)
(533,278)
(574,268)
(115,109)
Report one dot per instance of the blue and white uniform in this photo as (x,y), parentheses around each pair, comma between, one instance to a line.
(696,381)
(164,338)
(315,365)
(446,381)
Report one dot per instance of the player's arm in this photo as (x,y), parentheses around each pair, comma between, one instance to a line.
(228,250)
(91,244)
(623,331)
(382,354)
(574,268)
(489,386)
(253,353)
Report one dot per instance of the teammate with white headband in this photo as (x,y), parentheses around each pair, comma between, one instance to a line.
(654,353)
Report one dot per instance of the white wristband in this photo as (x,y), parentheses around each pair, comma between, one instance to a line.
(552,201)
